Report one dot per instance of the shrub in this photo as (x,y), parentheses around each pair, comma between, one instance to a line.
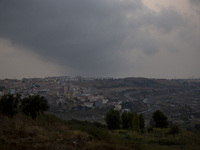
(9,104)
(34,105)
(113,119)
(174,129)
(150,129)
(160,119)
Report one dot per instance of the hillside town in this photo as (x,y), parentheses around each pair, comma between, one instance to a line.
(90,98)
(57,90)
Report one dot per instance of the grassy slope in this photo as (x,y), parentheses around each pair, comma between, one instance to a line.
(50,132)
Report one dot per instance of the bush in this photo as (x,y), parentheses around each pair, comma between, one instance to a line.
(9,104)
(160,119)
(150,129)
(99,125)
(34,105)
(174,129)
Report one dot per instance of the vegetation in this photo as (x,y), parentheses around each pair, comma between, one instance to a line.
(113,119)
(127,118)
(141,121)
(32,105)
(49,132)
(174,129)
(9,104)
(160,119)
(136,123)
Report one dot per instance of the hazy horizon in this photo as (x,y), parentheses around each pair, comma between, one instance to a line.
(14,78)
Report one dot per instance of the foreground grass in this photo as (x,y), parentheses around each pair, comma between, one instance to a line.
(50,132)
(46,132)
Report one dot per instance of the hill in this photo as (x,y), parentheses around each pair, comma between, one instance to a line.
(50,132)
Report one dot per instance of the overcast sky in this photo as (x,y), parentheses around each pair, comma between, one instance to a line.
(100,38)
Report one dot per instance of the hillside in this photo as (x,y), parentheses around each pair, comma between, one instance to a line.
(50,132)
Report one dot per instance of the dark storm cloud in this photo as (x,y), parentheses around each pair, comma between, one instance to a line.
(167,20)
(196,2)
(89,36)
(196,5)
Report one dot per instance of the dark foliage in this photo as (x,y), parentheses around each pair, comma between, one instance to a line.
(74,122)
(150,129)
(113,119)
(174,129)
(197,127)
(9,104)
(34,105)
(125,120)
(136,123)
(130,119)
(160,119)
(141,121)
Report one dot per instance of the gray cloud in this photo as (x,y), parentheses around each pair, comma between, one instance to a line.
(196,5)
(91,37)
(196,2)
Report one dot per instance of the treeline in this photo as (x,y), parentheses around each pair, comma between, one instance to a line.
(136,122)
(33,106)
(127,120)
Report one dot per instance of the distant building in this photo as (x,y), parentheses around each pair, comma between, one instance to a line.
(90,97)
(88,104)
(12,91)
(118,107)
(70,95)
(65,89)
(105,101)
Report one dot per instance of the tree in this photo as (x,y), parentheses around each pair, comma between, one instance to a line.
(136,123)
(125,120)
(34,105)
(130,119)
(141,121)
(9,104)
(160,119)
(113,119)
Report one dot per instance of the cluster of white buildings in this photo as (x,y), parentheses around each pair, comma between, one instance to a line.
(59,91)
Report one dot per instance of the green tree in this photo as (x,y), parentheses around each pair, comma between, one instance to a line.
(125,120)
(130,119)
(113,119)
(9,104)
(160,119)
(34,105)
(136,123)
(141,120)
